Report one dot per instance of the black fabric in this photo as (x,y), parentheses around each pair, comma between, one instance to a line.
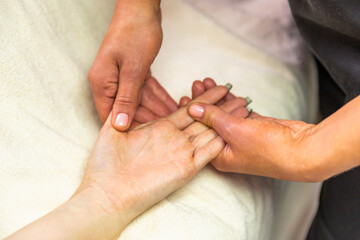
(331,28)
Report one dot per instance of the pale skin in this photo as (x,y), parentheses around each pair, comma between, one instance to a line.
(128,172)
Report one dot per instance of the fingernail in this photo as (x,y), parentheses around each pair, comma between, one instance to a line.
(122,119)
(249,109)
(229,86)
(249,100)
(196,111)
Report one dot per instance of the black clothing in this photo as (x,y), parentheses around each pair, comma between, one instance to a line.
(331,28)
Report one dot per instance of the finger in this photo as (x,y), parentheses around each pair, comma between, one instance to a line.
(143,115)
(197,89)
(103,105)
(208,152)
(103,79)
(254,115)
(240,112)
(229,96)
(161,94)
(153,103)
(134,125)
(230,105)
(126,101)
(203,139)
(181,118)
(209,83)
(184,101)
(212,116)
(197,128)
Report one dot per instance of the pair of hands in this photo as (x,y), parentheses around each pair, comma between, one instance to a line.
(255,144)
(128,172)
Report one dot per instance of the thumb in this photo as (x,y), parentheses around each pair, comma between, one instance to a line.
(127,99)
(212,116)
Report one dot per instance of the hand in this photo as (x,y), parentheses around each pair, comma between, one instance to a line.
(155,103)
(199,88)
(139,167)
(128,172)
(258,145)
(130,46)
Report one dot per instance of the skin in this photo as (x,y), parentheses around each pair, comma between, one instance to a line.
(123,62)
(285,149)
(128,172)
(155,103)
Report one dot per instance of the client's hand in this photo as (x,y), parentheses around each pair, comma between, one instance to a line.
(130,171)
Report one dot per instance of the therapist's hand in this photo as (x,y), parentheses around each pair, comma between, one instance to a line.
(130,45)
(258,145)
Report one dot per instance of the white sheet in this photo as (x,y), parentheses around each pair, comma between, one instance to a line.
(48,123)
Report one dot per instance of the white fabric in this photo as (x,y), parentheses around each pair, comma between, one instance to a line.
(48,123)
(267,25)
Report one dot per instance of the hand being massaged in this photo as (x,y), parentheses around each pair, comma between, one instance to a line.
(128,172)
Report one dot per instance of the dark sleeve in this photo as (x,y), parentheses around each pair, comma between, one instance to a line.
(331,28)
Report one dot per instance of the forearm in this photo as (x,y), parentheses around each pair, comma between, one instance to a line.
(334,144)
(84,216)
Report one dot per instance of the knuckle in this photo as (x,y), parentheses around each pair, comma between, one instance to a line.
(187,171)
(105,88)
(126,101)
(209,118)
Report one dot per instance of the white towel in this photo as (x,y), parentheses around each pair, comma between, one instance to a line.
(48,123)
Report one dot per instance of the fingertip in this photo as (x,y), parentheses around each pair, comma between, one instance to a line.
(184,101)
(209,83)
(197,89)
(120,121)
(196,110)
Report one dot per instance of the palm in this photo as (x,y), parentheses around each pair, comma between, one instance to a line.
(129,162)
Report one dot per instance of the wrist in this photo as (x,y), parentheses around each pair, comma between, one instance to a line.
(309,158)
(95,206)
